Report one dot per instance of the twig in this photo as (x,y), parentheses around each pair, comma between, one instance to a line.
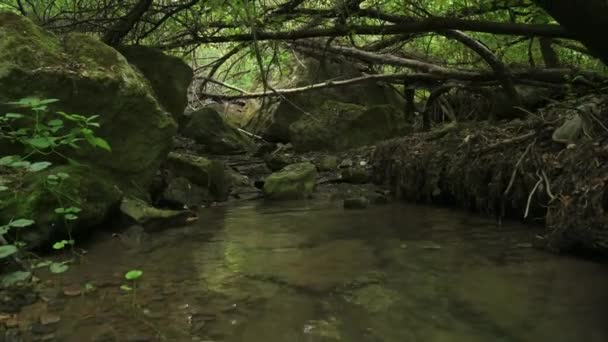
(509,141)
(517,165)
(548,186)
(251,134)
(540,180)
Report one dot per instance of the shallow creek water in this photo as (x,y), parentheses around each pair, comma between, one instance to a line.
(311,272)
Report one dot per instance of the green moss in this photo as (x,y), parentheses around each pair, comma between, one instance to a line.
(338,126)
(295,181)
(91,190)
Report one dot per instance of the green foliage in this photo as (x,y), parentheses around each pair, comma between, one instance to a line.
(133,275)
(43,133)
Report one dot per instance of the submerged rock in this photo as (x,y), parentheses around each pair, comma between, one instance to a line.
(169,76)
(296,181)
(209,129)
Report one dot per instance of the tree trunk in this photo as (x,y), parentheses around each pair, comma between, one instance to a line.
(587,20)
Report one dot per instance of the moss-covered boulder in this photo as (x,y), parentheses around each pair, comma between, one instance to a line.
(295,181)
(142,213)
(40,194)
(206,173)
(272,118)
(209,129)
(169,76)
(337,126)
(89,78)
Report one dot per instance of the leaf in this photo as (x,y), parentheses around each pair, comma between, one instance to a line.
(20,163)
(101,143)
(73,210)
(20,223)
(8,160)
(133,274)
(58,267)
(4,229)
(71,217)
(55,122)
(15,277)
(3,188)
(13,115)
(7,250)
(42,264)
(40,142)
(63,175)
(126,288)
(39,166)
(60,244)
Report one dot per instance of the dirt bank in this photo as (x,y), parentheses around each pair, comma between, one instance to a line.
(513,169)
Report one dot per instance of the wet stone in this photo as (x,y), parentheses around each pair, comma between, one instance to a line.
(356,203)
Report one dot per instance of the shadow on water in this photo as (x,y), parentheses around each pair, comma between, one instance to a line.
(307,271)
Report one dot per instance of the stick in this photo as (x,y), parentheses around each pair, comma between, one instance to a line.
(519,161)
(540,180)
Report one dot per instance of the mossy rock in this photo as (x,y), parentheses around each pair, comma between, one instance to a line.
(295,181)
(142,213)
(89,78)
(272,118)
(92,190)
(208,128)
(207,173)
(169,76)
(338,126)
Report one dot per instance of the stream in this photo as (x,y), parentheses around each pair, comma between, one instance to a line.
(311,272)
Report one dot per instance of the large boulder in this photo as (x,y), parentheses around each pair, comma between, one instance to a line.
(89,78)
(272,118)
(339,126)
(169,76)
(295,181)
(209,129)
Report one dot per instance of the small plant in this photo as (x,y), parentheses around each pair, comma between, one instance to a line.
(43,133)
(132,276)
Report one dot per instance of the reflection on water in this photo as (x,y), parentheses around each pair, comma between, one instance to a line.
(310,272)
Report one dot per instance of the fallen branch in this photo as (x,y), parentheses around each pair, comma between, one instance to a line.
(540,180)
(225,85)
(508,141)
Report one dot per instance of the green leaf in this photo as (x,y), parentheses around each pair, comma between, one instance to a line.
(3,188)
(8,160)
(60,244)
(63,175)
(70,217)
(13,115)
(55,122)
(39,166)
(133,274)
(40,142)
(20,163)
(7,250)
(42,264)
(126,288)
(59,267)
(101,143)
(15,277)
(20,223)
(4,229)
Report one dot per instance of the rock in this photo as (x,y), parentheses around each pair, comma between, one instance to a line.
(377,198)
(296,181)
(180,191)
(356,175)
(144,214)
(277,161)
(328,163)
(272,121)
(570,131)
(208,128)
(88,78)
(337,126)
(169,76)
(94,191)
(356,203)
(209,174)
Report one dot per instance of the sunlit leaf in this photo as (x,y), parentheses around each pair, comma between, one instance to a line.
(7,250)
(20,223)
(59,267)
(133,274)
(39,166)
